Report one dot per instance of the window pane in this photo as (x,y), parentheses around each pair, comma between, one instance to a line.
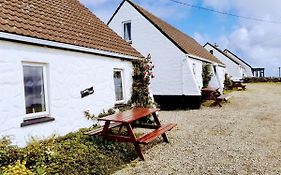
(127,31)
(34,89)
(118,85)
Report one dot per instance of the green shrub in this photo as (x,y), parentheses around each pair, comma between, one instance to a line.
(18,168)
(206,74)
(261,79)
(74,153)
(9,154)
(227,82)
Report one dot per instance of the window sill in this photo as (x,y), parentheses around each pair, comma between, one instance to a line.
(36,121)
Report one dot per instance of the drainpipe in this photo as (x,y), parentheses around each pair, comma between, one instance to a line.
(182,75)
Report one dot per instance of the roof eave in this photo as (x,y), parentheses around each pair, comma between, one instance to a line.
(53,44)
(204,59)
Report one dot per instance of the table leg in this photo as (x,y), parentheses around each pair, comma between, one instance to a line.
(164,136)
(105,128)
(134,141)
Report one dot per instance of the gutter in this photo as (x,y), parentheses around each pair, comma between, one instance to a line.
(205,60)
(53,44)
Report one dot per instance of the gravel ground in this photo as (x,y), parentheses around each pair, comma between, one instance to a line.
(242,137)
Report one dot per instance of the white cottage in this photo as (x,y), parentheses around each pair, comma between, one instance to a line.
(177,57)
(233,68)
(246,68)
(57,60)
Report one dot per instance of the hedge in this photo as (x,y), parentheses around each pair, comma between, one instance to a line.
(74,153)
(261,79)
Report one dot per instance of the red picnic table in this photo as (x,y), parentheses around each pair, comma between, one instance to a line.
(127,119)
(210,93)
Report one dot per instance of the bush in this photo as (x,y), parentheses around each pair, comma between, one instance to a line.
(227,82)
(17,169)
(261,79)
(74,153)
(206,74)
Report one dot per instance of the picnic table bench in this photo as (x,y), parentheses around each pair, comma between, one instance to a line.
(127,119)
(214,94)
(238,84)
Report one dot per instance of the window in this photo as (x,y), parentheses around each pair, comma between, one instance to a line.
(35,87)
(194,68)
(118,84)
(215,69)
(212,52)
(127,31)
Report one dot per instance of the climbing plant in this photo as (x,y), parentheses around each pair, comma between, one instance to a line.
(141,81)
(227,82)
(206,74)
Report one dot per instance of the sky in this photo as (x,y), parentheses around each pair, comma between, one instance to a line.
(256,42)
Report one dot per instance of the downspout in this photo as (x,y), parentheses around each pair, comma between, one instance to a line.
(182,75)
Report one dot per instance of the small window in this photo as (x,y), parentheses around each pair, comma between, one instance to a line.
(35,87)
(127,31)
(118,85)
(194,68)
(212,52)
(215,69)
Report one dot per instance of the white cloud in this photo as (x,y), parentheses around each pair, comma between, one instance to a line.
(164,9)
(259,43)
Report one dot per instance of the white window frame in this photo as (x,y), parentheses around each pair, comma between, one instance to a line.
(123,29)
(123,85)
(45,79)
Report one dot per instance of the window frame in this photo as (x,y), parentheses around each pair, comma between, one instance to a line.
(123,25)
(46,94)
(123,85)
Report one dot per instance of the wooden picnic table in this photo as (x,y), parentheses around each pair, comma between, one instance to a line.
(127,119)
(210,93)
(238,84)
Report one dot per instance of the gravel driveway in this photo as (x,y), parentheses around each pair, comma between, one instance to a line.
(242,137)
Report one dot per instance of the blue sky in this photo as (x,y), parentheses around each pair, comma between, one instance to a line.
(258,43)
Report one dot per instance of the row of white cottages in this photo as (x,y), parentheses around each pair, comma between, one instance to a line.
(50,52)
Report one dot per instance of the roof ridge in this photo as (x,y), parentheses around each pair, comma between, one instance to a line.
(183,41)
(237,57)
(218,49)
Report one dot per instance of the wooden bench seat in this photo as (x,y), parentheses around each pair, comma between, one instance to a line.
(221,98)
(145,139)
(99,130)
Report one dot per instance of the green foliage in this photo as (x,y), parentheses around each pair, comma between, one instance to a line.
(109,112)
(18,168)
(141,81)
(90,116)
(74,153)
(227,82)
(261,79)
(206,74)
(8,153)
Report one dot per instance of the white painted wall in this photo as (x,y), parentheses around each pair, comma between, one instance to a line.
(172,74)
(197,71)
(246,70)
(232,69)
(68,73)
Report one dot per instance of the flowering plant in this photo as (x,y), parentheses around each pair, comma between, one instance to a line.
(141,81)
(148,67)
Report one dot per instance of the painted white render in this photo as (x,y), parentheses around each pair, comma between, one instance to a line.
(233,69)
(68,72)
(173,73)
(247,70)
(196,68)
